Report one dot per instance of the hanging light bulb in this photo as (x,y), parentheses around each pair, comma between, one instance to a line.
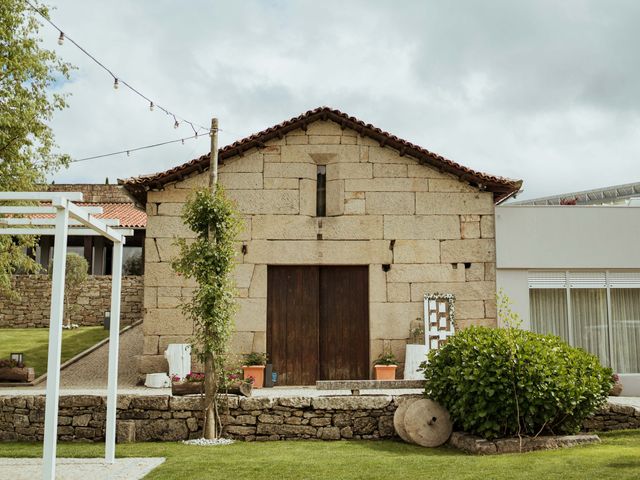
(61,38)
(115,84)
(196,135)
(176,125)
(128,153)
(183,141)
(151,106)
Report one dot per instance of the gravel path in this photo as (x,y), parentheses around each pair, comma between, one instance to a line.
(91,371)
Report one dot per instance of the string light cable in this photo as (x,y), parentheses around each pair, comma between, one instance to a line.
(117,80)
(129,151)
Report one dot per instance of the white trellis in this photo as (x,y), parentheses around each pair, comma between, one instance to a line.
(60,217)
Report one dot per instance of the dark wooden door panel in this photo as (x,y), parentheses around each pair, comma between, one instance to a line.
(344,323)
(292,323)
(318,323)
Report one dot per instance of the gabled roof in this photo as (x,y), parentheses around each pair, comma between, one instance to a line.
(501,187)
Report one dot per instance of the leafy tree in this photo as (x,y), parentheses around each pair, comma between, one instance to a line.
(209,260)
(27,73)
(76,269)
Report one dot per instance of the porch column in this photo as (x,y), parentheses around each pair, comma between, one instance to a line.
(114,340)
(55,343)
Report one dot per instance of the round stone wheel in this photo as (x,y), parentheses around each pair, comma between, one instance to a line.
(398,418)
(427,423)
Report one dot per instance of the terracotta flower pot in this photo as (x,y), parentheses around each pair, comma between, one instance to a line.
(385,372)
(255,371)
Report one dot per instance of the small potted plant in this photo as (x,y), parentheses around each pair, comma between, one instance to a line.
(192,384)
(616,390)
(254,365)
(385,366)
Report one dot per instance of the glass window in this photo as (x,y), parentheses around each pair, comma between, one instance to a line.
(589,321)
(625,319)
(549,311)
(132,263)
(321,192)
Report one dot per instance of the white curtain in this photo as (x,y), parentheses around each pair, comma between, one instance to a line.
(549,311)
(589,321)
(625,318)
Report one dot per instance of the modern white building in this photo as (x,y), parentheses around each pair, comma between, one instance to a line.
(574,271)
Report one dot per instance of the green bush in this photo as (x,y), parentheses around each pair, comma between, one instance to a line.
(502,382)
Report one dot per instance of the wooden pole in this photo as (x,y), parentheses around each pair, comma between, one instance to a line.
(213,157)
(210,382)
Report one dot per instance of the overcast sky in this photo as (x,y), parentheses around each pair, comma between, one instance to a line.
(545,91)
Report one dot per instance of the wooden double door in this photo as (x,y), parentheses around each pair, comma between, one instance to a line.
(318,323)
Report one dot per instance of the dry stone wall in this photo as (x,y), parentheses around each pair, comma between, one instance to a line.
(165,418)
(89,305)
(146,418)
(434,231)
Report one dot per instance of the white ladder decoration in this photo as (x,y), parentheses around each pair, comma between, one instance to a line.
(438,318)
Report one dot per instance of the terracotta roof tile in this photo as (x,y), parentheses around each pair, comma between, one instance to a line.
(129,215)
(501,187)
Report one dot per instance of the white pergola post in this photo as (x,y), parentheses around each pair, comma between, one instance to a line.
(114,341)
(55,342)
(68,217)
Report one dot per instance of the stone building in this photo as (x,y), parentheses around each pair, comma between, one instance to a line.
(346,228)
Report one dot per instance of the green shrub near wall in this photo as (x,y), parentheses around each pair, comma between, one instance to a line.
(501,382)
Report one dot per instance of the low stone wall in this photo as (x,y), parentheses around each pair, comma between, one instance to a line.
(163,418)
(32,310)
(613,417)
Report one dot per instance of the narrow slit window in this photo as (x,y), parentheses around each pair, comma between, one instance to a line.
(321,192)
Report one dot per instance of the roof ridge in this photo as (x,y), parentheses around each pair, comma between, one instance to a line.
(501,186)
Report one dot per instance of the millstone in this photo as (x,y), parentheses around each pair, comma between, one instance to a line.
(398,418)
(427,423)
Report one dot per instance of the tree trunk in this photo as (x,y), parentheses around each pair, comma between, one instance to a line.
(210,421)
(210,381)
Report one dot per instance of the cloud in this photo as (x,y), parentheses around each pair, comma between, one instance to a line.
(541,90)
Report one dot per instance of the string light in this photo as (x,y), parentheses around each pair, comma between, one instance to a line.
(128,152)
(176,125)
(117,81)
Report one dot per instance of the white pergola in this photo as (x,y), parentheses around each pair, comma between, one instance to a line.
(60,217)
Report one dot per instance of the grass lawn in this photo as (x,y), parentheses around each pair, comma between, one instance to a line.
(618,457)
(34,342)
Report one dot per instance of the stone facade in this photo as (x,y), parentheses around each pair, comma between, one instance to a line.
(146,418)
(434,231)
(32,309)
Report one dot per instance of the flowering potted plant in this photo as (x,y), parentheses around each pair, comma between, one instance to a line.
(192,384)
(616,390)
(385,366)
(235,384)
(254,365)
(12,371)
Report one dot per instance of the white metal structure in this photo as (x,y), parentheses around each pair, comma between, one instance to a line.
(63,218)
